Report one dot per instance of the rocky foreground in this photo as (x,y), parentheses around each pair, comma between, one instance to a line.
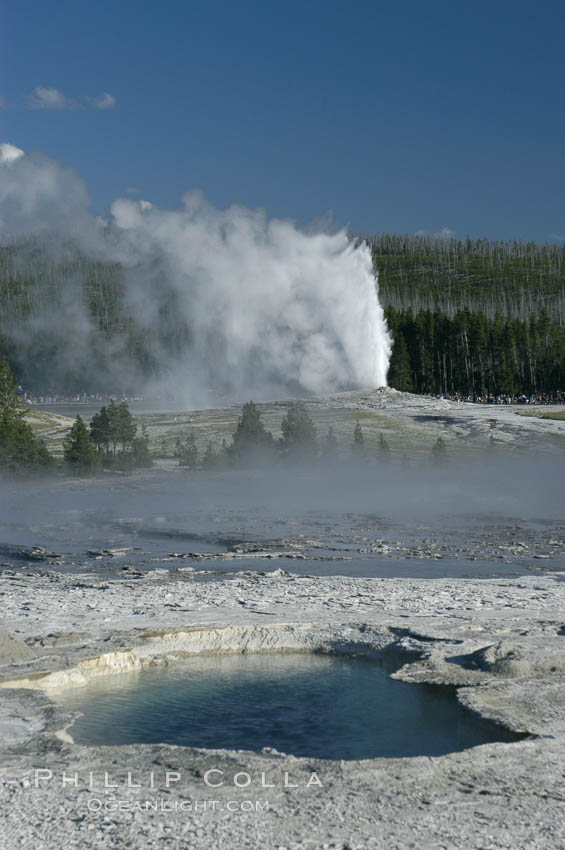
(499,640)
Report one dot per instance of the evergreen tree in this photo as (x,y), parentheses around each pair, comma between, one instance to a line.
(117,425)
(21,452)
(329,446)
(186,452)
(299,433)
(100,430)
(113,424)
(358,445)
(384,448)
(299,438)
(140,450)
(79,450)
(400,370)
(473,355)
(9,398)
(251,440)
(126,428)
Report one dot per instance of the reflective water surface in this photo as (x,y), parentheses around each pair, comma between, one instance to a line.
(321,706)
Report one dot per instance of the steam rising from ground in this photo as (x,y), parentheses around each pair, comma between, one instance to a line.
(235,305)
(491,516)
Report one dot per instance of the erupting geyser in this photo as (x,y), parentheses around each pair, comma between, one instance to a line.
(256,307)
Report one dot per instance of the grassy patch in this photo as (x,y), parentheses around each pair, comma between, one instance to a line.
(558,415)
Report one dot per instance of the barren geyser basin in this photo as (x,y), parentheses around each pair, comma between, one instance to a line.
(370,657)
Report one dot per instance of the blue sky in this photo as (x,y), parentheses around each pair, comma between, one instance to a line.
(390,117)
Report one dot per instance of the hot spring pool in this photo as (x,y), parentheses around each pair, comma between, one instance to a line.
(323,706)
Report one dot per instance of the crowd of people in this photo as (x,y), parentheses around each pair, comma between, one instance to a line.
(73,398)
(102,398)
(505,398)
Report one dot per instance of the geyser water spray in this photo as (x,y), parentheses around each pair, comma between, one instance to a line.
(258,307)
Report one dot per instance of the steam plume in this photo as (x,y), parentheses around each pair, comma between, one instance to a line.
(256,307)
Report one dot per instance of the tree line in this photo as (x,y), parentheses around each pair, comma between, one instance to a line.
(514,278)
(299,445)
(111,442)
(471,354)
(21,451)
(253,444)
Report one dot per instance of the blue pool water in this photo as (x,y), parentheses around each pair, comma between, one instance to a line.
(323,706)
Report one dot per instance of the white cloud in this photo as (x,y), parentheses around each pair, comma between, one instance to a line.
(9,153)
(48,97)
(103,101)
(445,233)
